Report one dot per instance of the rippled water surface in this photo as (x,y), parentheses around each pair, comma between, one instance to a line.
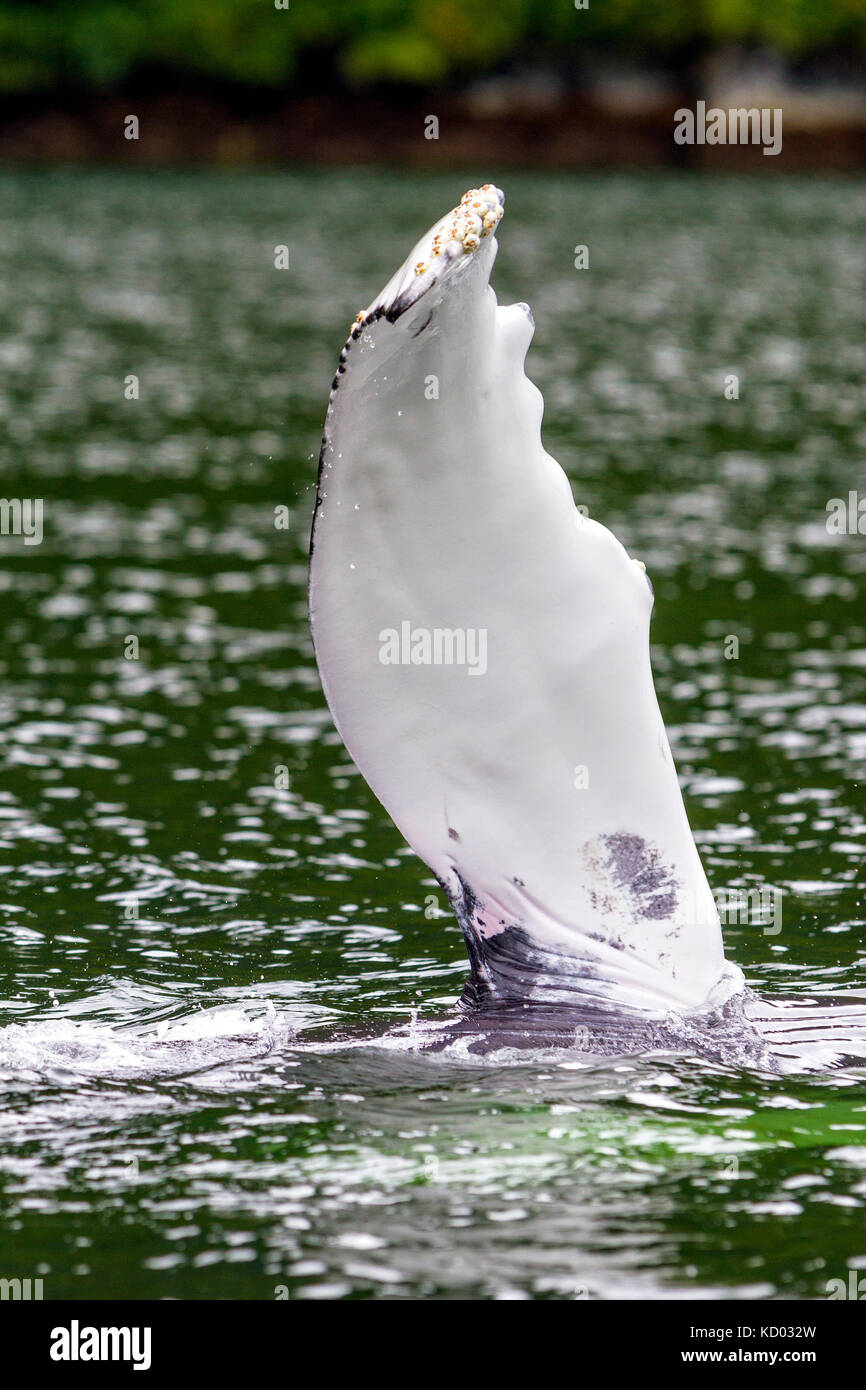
(193,877)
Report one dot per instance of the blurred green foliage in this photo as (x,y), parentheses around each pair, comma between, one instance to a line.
(99,43)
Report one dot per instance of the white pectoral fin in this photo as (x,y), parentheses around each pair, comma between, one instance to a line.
(484,651)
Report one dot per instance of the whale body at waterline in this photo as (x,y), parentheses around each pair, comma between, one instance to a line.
(483,646)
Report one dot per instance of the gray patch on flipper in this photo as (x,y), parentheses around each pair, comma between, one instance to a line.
(639,868)
(418,331)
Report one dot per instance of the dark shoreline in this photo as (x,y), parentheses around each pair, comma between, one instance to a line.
(575,131)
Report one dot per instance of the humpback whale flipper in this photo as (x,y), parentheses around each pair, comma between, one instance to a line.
(484,650)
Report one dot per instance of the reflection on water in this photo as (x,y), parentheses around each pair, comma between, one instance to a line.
(175,914)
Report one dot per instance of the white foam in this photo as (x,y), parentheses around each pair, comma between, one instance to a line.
(207,1037)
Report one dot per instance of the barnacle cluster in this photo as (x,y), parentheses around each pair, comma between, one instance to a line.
(459,233)
(478,212)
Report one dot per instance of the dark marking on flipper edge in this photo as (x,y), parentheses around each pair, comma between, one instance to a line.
(522,993)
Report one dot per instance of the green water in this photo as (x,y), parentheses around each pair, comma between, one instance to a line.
(171,915)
